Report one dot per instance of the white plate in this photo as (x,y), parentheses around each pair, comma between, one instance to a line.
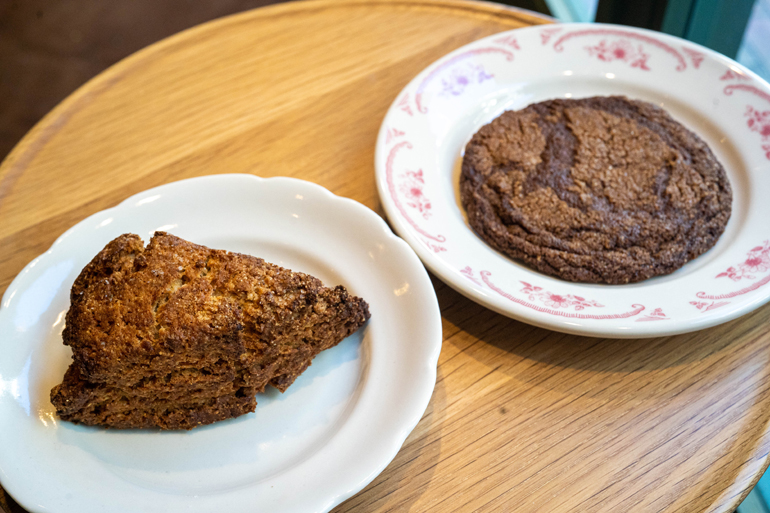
(309,449)
(421,141)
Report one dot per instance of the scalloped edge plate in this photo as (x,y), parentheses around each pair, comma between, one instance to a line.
(327,437)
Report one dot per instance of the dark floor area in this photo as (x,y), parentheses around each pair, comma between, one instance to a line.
(49,48)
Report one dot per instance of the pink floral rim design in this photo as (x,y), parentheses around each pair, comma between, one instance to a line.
(554,303)
(757,261)
(448,64)
(410,186)
(730,74)
(623,49)
(758,120)
(557,300)
(412,183)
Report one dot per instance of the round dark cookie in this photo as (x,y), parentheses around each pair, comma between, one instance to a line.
(601,190)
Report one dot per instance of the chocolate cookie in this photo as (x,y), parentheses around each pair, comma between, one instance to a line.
(601,190)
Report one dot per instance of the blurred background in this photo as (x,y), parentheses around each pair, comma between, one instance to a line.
(48,48)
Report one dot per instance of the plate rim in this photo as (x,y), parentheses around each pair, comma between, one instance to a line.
(450,276)
(389,447)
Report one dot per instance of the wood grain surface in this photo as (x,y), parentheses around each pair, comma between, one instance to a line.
(522,419)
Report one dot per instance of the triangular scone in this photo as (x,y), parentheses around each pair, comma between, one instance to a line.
(177,335)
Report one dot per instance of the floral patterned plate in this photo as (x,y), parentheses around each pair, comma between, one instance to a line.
(422,139)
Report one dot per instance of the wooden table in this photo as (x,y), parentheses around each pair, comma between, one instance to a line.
(522,419)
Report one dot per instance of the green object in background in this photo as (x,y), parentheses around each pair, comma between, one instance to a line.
(677,17)
(638,13)
(716,24)
(573,10)
(754,503)
(758,500)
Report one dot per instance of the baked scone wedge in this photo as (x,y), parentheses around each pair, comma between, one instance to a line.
(177,335)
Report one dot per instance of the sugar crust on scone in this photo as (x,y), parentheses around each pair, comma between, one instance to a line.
(177,335)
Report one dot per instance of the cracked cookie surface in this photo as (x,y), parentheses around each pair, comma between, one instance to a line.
(600,190)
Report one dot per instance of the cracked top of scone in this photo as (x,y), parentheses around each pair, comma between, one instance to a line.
(601,190)
(129,303)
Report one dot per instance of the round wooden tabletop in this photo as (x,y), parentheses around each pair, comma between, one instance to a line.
(522,419)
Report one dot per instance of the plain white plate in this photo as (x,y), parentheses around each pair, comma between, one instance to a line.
(423,136)
(306,450)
